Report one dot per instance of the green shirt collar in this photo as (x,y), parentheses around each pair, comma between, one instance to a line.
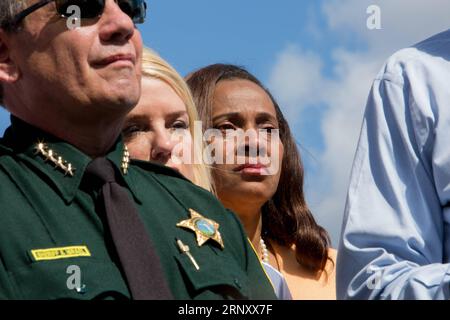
(22,140)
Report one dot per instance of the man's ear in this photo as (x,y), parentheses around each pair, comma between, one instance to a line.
(9,72)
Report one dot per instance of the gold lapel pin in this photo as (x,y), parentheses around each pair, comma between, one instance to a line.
(185,249)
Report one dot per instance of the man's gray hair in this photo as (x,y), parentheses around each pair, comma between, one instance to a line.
(8,9)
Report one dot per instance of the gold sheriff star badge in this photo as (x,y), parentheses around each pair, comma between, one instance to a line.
(204,228)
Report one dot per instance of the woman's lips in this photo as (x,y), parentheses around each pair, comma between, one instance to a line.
(251,169)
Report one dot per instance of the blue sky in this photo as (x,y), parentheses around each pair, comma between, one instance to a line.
(317,57)
(191,34)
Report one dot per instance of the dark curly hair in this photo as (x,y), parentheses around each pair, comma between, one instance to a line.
(286,217)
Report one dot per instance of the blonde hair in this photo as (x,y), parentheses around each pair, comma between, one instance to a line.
(154,66)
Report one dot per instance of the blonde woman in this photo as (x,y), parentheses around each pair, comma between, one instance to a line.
(161,127)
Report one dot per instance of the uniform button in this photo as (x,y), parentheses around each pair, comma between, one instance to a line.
(237,283)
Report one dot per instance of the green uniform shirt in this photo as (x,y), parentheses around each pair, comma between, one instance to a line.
(54,245)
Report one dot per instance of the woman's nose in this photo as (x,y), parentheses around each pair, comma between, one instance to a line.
(162,146)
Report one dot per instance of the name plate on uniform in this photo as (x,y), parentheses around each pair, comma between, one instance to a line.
(60,253)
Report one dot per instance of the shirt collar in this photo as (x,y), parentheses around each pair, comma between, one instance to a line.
(23,139)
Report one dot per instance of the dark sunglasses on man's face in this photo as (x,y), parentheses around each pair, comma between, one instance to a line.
(135,9)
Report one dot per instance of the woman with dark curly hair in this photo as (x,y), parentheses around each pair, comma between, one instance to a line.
(271,205)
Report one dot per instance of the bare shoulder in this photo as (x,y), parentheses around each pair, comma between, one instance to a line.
(329,276)
(332,254)
(303,284)
(324,288)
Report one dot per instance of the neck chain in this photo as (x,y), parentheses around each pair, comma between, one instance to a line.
(264,251)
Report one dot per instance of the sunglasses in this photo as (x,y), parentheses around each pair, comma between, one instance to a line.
(135,9)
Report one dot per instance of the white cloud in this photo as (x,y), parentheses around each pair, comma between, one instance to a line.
(298,81)
(295,78)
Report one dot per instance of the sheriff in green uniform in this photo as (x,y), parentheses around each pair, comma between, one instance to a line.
(68,90)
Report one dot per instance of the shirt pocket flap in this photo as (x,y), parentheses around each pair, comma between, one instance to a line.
(215,274)
(74,278)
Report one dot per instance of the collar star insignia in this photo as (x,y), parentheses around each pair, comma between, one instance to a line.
(48,154)
(125,160)
(205,229)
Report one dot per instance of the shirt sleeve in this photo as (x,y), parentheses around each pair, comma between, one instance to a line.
(393,235)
